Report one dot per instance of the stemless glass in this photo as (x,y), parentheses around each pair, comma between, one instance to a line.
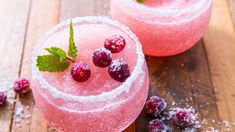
(164,27)
(110,111)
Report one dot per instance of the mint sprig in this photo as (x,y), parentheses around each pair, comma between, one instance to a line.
(141,1)
(51,63)
(57,52)
(72,50)
(57,60)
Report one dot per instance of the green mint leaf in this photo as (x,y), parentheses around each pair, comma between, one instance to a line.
(51,63)
(57,52)
(141,1)
(72,50)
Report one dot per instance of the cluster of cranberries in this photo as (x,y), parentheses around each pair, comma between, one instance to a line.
(21,86)
(156,105)
(102,57)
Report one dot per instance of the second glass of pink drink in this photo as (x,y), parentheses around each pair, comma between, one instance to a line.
(164,27)
(101,104)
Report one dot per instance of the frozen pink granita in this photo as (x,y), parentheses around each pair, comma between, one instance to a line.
(164,27)
(99,103)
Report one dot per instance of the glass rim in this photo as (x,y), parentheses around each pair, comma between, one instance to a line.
(171,13)
(124,87)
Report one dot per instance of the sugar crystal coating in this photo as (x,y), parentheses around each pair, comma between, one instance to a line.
(80,72)
(183,118)
(21,86)
(157,125)
(115,43)
(155,105)
(119,70)
(102,57)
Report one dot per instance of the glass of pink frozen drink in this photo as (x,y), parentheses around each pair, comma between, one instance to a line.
(164,27)
(101,104)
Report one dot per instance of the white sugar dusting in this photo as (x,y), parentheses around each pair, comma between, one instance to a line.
(22,115)
(116,64)
(198,123)
(104,50)
(6,87)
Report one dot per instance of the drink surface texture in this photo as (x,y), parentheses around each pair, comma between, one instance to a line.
(100,104)
(164,27)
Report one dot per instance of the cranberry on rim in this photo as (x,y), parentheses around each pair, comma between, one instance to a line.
(80,72)
(115,43)
(119,70)
(21,86)
(102,57)
(3,98)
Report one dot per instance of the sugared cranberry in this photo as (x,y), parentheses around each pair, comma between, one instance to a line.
(155,105)
(80,72)
(183,118)
(21,86)
(157,125)
(3,98)
(115,43)
(102,57)
(119,70)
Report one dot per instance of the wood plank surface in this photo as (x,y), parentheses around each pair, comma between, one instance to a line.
(232,7)
(44,14)
(42,20)
(220,47)
(182,77)
(202,77)
(13,21)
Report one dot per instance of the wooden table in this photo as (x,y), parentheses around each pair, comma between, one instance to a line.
(204,76)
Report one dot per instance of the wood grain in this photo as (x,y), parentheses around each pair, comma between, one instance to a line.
(232,7)
(13,19)
(183,79)
(75,8)
(202,77)
(220,47)
(43,15)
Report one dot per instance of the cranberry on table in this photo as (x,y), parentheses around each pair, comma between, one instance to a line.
(80,72)
(155,105)
(119,70)
(157,125)
(183,118)
(115,43)
(102,57)
(21,86)
(3,98)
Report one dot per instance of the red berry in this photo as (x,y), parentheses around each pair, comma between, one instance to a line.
(155,105)
(183,118)
(102,57)
(157,125)
(21,86)
(115,43)
(80,72)
(3,98)
(119,70)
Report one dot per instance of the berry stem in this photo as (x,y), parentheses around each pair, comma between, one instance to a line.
(70,59)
